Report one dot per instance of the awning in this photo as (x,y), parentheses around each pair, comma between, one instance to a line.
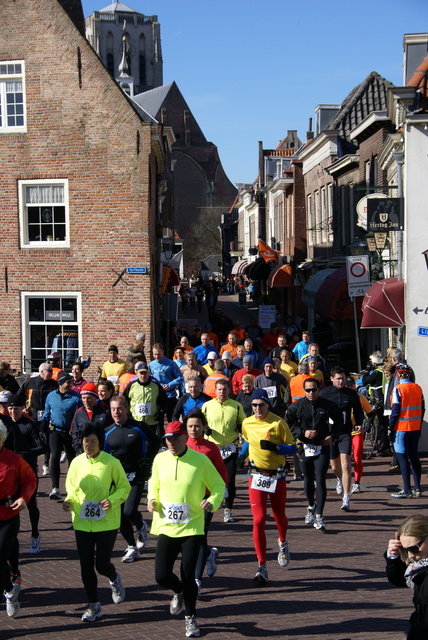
(170,278)
(281,277)
(238,267)
(259,270)
(383,305)
(327,292)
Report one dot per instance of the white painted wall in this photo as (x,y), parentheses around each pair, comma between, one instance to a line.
(415,272)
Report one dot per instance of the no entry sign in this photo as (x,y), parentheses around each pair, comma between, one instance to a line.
(358,269)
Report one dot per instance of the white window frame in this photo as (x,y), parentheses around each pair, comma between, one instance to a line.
(309,220)
(27,324)
(23,219)
(9,75)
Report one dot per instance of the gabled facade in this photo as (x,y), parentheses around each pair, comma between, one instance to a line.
(79,178)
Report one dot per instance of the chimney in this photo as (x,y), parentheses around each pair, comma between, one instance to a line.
(309,133)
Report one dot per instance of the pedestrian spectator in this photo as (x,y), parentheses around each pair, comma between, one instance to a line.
(7,379)
(407,565)
(176,497)
(96,486)
(405,422)
(192,295)
(200,294)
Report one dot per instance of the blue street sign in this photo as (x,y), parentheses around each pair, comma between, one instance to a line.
(136,270)
(423,331)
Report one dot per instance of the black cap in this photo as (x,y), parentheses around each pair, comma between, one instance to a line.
(63,376)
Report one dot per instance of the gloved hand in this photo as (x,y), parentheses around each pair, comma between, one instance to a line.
(145,466)
(240,462)
(44,427)
(268,445)
(208,430)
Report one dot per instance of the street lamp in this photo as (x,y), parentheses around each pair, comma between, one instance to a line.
(167,251)
(358,247)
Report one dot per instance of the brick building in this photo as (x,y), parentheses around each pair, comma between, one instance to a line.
(79,169)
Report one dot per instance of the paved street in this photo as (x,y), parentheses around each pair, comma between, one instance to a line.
(334,588)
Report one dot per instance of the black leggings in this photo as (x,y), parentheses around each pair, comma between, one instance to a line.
(57,441)
(104,542)
(8,534)
(231,463)
(315,468)
(205,549)
(167,551)
(130,514)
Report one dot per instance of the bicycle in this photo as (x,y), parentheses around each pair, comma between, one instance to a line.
(370,428)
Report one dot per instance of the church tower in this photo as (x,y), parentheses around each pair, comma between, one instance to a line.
(118,28)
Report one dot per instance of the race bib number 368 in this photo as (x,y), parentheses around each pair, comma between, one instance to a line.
(176,512)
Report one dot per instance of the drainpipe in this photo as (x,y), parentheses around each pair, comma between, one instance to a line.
(398,157)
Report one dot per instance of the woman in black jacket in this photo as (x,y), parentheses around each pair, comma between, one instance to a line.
(407,565)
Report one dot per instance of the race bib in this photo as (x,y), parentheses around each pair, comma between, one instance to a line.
(227,451)
(311,450)
(176,512)
(130,476)
(92,511)
(144,409)
(272,392)
(264,483)
(114,380)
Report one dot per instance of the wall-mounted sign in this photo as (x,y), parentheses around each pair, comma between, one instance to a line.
(60,316)
(385,214)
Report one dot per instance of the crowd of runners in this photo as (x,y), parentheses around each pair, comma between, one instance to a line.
(180,425)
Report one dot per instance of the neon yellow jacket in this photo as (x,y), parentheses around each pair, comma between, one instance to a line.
(96,479)
(183,480)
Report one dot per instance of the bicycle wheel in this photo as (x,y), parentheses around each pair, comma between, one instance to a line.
(370,439)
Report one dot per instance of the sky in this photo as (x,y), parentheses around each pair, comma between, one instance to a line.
(250,71)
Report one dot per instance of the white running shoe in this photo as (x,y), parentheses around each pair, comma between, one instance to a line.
(262,574)
(63,457)
(12,605)
(142,537)
(93,612)
(35,545)
(212,562)
(284,554)
(192,629)
(45,470)
(55,494)
(199,586)
(131,554)
(356,488)
(177,603)
(339,487)
(117,590)
(319,522)
(345,502)
(228,516)
(310,515)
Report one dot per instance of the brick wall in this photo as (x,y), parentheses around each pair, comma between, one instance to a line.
(87,134)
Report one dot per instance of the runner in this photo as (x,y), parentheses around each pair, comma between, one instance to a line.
(195,423)
(224,417)
(96,486)
(268,440)
(135,444)
(177,500)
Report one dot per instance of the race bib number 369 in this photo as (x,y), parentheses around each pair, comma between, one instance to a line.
(176,512)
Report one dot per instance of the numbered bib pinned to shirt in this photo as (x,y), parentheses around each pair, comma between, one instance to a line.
(264,483)
(227,451)
(311,450)
(176,512)
(114,380)
(92,511)
(144,409)
(272,392)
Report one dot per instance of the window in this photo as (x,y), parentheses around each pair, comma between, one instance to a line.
(12,97)
(44,213)
(324,224)
(51,322)
(309,221)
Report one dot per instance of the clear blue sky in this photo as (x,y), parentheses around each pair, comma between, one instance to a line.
(251,70)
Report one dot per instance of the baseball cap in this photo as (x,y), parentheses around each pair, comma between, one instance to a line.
(5,395)
(142,367)
(212,355)
(14,401)
(174,429)
(226,355)
(63,376)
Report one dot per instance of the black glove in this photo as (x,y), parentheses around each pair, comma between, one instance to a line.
(44,427)
(268,445)
(240,462)
(145,466)
(208,430)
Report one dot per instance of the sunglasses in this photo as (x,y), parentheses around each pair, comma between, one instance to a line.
(415,547)
(258,404)
(311,390)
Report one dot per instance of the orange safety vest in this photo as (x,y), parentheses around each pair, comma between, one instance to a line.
(209,384)
(297,390)
(410,418)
